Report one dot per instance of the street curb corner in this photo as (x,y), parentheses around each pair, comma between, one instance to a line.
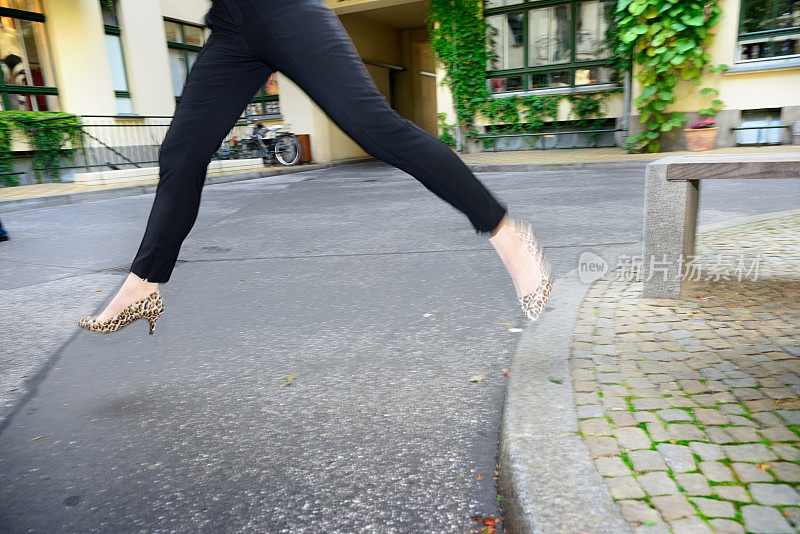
(548,482)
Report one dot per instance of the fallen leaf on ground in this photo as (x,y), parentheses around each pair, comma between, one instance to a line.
(490,523)
(763,467)
(477,378)
(37,437)
(428,314)
(289,379)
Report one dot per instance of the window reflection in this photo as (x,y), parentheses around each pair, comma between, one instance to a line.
(25,61)
(506,39)
(549,31)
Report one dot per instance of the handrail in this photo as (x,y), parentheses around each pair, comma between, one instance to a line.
(760,127)
(482,136)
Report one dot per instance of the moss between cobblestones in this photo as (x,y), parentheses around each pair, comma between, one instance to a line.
(717,399)
(624,457)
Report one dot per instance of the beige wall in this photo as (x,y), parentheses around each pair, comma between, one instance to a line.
(186,10)
(146,57)
(77,42)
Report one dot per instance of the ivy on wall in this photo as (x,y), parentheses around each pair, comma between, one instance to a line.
(459,40)
(48,133)
(668,40)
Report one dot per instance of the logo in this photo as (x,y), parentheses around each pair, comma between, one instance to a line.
(591,267)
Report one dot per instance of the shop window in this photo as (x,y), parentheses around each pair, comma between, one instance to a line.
(27,80)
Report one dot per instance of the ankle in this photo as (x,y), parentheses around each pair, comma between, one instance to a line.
(135,284)
(502,224)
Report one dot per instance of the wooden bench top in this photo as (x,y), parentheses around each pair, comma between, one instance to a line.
(723,166)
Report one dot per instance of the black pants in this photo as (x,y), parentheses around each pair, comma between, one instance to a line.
(304,40)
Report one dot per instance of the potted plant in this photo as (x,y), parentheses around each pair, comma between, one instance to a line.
(700,135)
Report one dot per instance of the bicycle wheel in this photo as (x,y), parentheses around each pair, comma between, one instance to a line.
(288,149)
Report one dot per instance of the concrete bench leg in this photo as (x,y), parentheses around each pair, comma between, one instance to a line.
(670,220)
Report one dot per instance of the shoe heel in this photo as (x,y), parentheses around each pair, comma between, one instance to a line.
(152,323)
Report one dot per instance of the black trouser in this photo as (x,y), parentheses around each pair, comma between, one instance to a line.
(304,40)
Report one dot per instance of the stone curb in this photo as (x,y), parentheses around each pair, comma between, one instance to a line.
(548,482)
(18,204)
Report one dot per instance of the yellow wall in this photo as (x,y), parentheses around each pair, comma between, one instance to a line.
(146,57)
(77,42)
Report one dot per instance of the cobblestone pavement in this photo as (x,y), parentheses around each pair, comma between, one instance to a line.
(690,408)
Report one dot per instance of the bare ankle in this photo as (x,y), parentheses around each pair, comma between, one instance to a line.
(135,282)
(503,223)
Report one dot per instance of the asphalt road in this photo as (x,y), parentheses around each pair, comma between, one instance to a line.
(326,275)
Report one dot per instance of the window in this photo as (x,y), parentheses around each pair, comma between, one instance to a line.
(27,81)
(544,44)
(266,100)
(769,29)
(115,58)
(184,42)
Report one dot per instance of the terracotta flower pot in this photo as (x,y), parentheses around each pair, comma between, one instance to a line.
(698,139)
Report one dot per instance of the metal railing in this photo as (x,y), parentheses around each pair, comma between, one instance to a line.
(105,142)
(592,133)
(759,142)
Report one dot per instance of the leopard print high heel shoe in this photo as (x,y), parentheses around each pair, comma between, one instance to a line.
(150,307)
(533,302)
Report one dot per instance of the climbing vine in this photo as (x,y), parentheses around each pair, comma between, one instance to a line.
(457,32)
(446,137)
(51,135)
(668,40)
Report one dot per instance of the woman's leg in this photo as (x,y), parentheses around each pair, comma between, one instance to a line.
(306,41)
(221,83)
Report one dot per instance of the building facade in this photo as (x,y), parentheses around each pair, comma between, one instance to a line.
(123,61)
(558,46)
(127,60)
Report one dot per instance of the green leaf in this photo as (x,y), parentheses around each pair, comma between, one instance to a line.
(623,4)
(667,126)
(709,91)
(696,20)
(651,12)
(688,74)
(637,8)
(649,91)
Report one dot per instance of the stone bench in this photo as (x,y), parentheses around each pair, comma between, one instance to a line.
(672,186)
